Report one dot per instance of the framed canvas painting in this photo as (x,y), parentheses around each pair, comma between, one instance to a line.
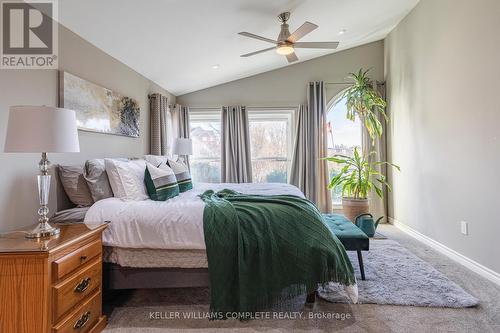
(99,109)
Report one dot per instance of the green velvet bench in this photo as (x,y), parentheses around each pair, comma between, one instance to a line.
(349,235)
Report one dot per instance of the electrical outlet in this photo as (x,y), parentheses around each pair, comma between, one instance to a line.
(464,227)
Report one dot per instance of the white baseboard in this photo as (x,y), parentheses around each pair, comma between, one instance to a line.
(452,254)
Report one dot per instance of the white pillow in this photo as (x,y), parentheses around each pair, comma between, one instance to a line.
(127,178)
(156,160)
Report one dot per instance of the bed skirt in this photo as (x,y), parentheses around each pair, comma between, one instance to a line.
(155,258)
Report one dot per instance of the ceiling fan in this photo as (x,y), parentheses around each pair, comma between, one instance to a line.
(287,42)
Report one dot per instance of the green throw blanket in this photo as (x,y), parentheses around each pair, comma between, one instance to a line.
(265,250)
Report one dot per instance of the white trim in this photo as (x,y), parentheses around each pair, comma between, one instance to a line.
(209,114)
(204,108)
(337,206)
(271,109)
(452,254)
(331,103)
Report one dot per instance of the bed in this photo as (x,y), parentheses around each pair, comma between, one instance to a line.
(150,244)
(161,244)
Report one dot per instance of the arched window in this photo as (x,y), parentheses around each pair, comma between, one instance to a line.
(343,136)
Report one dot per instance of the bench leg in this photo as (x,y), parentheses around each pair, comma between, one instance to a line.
(311,298)
(361,267)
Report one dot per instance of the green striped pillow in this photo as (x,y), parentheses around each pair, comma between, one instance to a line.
(160,182)
(181,174)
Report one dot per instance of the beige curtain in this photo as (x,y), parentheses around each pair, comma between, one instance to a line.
(236,164)
(308,172)
(158,105)
(181,114)
(302,163)
(378,206)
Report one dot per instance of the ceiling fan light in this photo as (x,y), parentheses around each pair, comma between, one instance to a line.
(285,50)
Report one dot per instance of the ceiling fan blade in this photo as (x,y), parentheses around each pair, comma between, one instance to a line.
(316,45)
(257,52)
(291,57)
(303,30)
(247,34)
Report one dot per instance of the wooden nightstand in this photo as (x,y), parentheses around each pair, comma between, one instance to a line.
(54,284)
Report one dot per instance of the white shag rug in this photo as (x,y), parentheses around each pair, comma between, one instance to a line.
(396,276)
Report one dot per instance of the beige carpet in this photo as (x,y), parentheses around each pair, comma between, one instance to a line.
(131,310)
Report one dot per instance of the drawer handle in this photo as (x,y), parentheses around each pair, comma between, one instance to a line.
(83,258)
(83,285)
(82,321)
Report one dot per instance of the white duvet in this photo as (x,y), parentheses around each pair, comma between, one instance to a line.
(175,224)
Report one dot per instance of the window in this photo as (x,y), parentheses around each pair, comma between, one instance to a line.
(270,144)
(343,136)
(205,131)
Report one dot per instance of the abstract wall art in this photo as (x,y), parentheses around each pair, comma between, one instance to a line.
(99,109)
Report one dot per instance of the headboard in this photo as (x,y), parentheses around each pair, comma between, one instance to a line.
(62,200)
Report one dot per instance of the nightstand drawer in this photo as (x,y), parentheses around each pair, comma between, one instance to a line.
(38,279)
(76,259)
(82,320)
(74,289)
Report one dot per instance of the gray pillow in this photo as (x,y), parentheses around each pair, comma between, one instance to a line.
(73,215)
(74,185)
(97,180)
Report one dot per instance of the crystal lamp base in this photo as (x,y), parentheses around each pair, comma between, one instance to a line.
(43,230)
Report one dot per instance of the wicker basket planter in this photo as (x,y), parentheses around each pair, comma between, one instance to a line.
(354,207)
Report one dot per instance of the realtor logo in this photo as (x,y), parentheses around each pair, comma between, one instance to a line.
(29,35)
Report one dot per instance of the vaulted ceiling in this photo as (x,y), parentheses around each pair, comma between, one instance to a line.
(179,43)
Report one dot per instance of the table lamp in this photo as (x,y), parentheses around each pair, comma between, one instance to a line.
(42,129)
(183,147)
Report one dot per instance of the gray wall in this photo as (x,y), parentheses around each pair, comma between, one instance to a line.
(442,69)
(18,196)
(287,86)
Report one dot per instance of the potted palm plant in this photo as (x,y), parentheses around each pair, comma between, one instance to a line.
(357,178)
(364,102)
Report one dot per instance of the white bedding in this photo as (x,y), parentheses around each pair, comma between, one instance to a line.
(175,224)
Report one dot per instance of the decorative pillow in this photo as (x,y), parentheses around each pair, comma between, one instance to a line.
(160,182)
(126,178)
(181,174)
(156,160)
(74,185)
(97,179)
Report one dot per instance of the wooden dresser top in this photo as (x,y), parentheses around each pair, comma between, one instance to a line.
(71,233)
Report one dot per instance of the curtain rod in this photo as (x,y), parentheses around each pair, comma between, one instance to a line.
(343,83)
(248,107)
(346,83)
(170,106)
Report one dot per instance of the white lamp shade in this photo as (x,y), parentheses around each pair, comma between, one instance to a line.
(183,146)
(36,129)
